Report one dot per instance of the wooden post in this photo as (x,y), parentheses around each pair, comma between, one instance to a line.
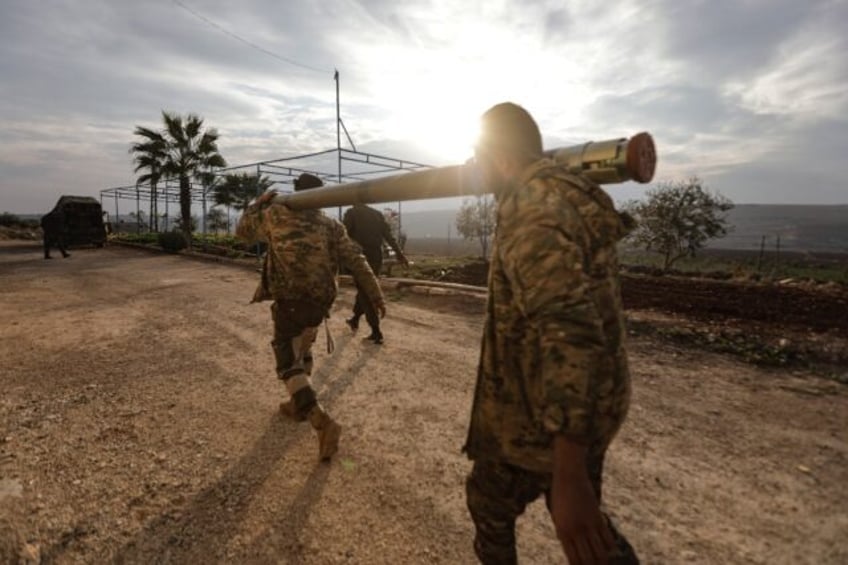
(762,250)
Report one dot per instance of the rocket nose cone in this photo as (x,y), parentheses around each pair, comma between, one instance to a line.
(641,157)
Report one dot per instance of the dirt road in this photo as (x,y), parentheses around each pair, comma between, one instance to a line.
(138,424)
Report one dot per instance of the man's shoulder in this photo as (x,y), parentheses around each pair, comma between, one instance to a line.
(333,227)
(547,174)
(550,195)
(286,219)
(553,186)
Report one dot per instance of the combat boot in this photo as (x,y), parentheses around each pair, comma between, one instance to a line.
(289,410)
(328,432)
(376,336)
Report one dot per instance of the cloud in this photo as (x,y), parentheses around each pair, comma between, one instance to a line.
(729,89)
(724,39)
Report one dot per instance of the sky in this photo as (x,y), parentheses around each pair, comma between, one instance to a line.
(749,95)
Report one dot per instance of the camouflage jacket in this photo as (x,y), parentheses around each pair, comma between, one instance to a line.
(553,358)
(305,250)
(369,228)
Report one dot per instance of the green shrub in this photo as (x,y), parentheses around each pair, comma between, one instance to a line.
(9,220)
(173,241)
(146,238)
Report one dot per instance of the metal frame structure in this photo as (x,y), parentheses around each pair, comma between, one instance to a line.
(280,171)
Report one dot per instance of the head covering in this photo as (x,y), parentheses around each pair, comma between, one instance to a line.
(509,127)
(306,181)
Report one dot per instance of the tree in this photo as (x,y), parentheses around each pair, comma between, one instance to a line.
(150,154)
(678,218)
(185,152)
(393,219)
(217,220)
(476,219)
(189,228)
(9,219)
(237,190)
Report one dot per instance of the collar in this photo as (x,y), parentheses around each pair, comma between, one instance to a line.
(528,173)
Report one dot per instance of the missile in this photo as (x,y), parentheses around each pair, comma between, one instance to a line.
(605,162)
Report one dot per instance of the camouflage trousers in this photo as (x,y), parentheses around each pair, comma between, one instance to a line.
(295,329)
(362,304)
(497,494)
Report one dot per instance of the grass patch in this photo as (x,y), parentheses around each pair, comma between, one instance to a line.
(732,263)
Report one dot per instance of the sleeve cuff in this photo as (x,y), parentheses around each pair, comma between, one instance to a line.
(572,422)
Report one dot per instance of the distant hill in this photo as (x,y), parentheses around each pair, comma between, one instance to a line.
(801,228)
(430,224)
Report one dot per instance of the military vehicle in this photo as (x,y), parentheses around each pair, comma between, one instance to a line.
(80,219)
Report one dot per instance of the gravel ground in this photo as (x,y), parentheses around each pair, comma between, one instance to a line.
(139,424)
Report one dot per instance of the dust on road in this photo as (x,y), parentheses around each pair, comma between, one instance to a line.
(138,423)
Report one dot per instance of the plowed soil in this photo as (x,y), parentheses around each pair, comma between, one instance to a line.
(815,308)
(818,308)
(139,424)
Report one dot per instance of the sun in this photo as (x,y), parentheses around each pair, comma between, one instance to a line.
(444,134)
(442,124)
(448,133)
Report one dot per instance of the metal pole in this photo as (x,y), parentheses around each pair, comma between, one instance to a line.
(258,248)
(166,207)
(338,133)
(117,215)
(137,211)
(156,207)
(203,188)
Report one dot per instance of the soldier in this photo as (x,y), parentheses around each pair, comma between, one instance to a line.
(53,228)
(553,385)
(369,228)
(305,250)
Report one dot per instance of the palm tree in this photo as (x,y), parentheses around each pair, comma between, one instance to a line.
(181,150)
(237,190)
(217,220)
(150,154)
(192,153)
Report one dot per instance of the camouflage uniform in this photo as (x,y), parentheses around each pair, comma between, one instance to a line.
(369,229)
(553,358)
(305,250)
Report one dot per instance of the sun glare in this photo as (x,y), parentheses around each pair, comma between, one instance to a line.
(448,134)
(442,124)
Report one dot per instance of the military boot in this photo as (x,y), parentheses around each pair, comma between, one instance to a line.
(376,336)
(328,432)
